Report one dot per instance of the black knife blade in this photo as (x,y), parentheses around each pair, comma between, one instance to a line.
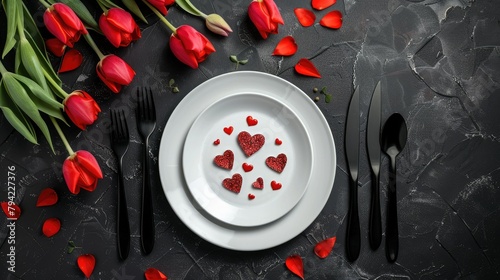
(353,236)
(374,151)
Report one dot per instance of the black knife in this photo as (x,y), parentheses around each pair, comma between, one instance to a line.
(373,147)
(353,236)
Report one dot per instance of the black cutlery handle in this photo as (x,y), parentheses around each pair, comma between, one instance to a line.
(147,218)
(375,226)
(122,223)
(353,236)
(391,232)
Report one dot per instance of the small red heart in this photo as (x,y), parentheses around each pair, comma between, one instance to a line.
(251,196)
(250,144)
(86,263)
(258,184)
(275,185)
(323,248)
(294,264)
(251,121)
(51,226)
(233,184)
(154,274)
(216,142)
(225,160)
(228,130)
(277,163)
(247,167)
(47,197)
(278,141)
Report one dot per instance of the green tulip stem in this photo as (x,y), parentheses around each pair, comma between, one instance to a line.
(93,45)
(161,17)
(104,9)
(63,138)
(203,15)
(45,4)
(54,84)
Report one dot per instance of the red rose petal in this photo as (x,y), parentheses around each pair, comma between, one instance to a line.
(251,196)
(323,248)
(305,16)
(55,46)
(228,130)
(332,20)
(306,67)
(225,160)
(51,226)
(47,197)
(295,265)
(251,121)
(11,210)
(278,141)
(86,263)
(322,4)
(154,274)
(286,47)
(275,185)
(71,60)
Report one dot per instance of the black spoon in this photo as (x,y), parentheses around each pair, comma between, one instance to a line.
(394,136)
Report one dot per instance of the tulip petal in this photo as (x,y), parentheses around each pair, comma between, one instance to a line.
(305,16)
(322,4)
(71,60)
(295,265)
(86,263)
(286,47)
(323,248)
(306,67)
(273,11)
(114,87)
(47,197)
(12,211)
(88,161)
(154,274)
(113,36)
(117,70)
(181,54)
(332,19)
(69,17)
(121,19)
(55,46)
(71,176)
(51,227)
(53,24)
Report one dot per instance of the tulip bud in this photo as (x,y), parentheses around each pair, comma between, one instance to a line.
(265,16)
(114,72)
(81,108)
(217,25)
(190,46)
(81,171)
(119,27)
(64,24)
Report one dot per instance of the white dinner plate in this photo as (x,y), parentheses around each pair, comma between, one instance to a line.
(247,206)
(175,186)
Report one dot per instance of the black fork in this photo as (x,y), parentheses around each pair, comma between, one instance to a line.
(119,142)
(146,123)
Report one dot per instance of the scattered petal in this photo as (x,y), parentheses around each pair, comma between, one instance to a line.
(286,47)
(295,265)
(324,247)
(51,227)
(322,4)
(86,263)
(55,46)
(306,67)
(332,20)
(305,16)
(71,60)
(154,274)
(11,210)
(47,197)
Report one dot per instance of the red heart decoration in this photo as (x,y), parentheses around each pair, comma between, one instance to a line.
(306,67)
(72,59)
(275,185)
(322,4)
(247,167)
(86,263)
(323,248)
(51,226)
(251,121)
(250,144)
(216,142)
(251,196)
(277,163)
(295,265)
(332,20)
(228,130)
(286,47)
(233,184)
(259,183)
(12,211)
(154,274)
(277,141)
(305,16)
(225,160)
(47,197)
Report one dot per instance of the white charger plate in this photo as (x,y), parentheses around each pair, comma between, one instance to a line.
(204,178)
(175,186)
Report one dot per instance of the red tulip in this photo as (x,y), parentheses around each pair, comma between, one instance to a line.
(190,46)
(64,24)
(81,170)
(265,16)
(114,72)
(161,5)
(81,108)
(119,27)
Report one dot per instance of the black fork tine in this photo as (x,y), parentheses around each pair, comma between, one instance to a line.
(150,105)
(113,125)
(123,124)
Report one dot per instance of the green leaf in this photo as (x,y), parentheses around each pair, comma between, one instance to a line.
(188,7)
(70,249)
(328,98)
(132,6)
(233,58)
(31,28)
(175,89)
(15,117)
(10,8)
(82,12)
(42,58)
(39,92)
(31,63)
(243,62)
(323,90)
(171,82)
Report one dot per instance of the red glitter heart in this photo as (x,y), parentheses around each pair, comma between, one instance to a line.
(251,121)
(259,183)
(251,196)
(277,163)
(247,167)
(225,160)
(275,185)
(250,144)
(278,141)
(233,184)
(228,130)
(217,142)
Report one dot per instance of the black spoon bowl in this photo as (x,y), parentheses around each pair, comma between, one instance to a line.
(393,140)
